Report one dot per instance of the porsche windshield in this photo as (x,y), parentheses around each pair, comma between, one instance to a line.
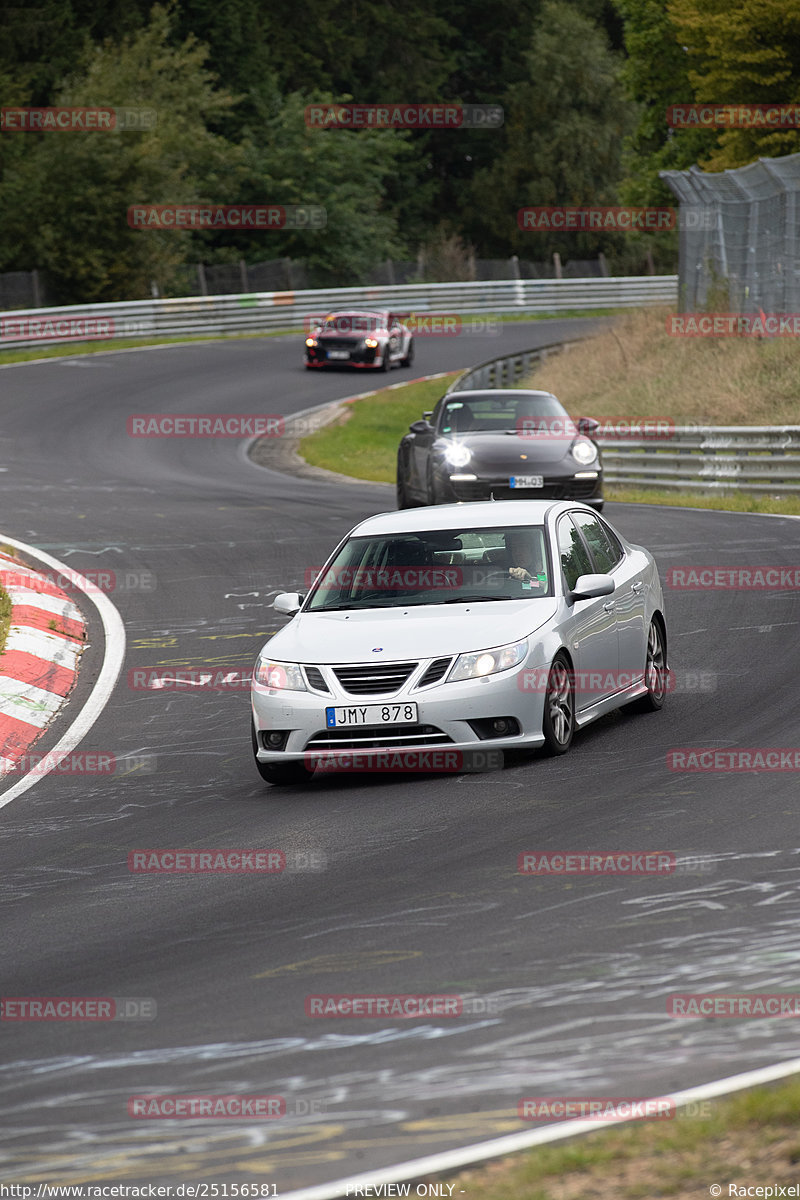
(435,567)
(503,412)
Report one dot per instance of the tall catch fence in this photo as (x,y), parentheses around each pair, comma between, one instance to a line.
(739,237)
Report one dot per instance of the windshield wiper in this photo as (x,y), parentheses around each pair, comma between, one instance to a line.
(478,599)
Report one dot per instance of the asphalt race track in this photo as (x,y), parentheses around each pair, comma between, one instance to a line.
(420,891)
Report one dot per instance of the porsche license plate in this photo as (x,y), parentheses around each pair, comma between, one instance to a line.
(338,354)
(371,714)
(526,481)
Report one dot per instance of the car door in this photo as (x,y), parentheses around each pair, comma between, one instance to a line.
(419,453)
(630,596)
(592,628)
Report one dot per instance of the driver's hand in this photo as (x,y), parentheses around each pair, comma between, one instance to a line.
(519,573)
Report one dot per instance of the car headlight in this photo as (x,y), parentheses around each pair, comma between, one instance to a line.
(457,454)
(584,451)
(371,342)
(489,662)
(282,676)
(311,341)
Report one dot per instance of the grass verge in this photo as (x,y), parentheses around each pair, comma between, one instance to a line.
(5,618)
(749,1140)
(364,444)
(637,369)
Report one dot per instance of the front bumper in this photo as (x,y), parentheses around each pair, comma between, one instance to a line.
(562,487)
(359,356)
(446,709)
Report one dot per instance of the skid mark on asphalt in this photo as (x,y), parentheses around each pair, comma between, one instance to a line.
(334,963)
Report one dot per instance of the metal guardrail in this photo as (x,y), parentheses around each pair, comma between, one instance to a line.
(214,316)
(747,458)
(742,458)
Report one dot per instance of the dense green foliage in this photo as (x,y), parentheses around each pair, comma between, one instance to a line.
(584,85)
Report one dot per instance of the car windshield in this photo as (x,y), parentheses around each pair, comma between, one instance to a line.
(352,323)
(435,567)
(503,412)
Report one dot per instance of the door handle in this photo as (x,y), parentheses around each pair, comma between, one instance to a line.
(637,587)
(610,606)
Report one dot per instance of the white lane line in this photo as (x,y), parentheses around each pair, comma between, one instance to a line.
(113,659)
(454,1160)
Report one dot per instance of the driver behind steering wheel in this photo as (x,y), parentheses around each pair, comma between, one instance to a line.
(524,549)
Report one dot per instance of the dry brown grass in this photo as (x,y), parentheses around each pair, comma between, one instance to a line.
(637,369)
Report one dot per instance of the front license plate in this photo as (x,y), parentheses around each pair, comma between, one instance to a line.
(338,354)
(371,714)
(526,481)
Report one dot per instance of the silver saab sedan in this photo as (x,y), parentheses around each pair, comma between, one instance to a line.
(461,627)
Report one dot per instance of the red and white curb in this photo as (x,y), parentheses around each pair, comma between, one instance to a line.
(57,657)
(39,667)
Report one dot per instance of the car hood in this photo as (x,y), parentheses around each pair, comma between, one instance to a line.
(400,634)
(492,450)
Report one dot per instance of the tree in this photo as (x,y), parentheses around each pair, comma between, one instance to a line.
(563,132)
(742,52)
(80,185)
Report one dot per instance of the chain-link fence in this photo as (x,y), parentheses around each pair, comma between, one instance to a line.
(739,237)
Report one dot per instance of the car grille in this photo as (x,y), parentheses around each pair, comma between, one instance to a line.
(481,489)
(314,677)
(377,737)
(376,679)
(436,671)
(339,343)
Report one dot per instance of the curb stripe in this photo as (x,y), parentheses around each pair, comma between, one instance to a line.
(30,668)
(35,618)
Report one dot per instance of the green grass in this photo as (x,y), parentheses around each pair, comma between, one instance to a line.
(364,445)
(726,501)
(749,1138)
(5,618)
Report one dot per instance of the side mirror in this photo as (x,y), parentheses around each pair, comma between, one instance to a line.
(587,426)
(288,603)
(419,427)
(589,587)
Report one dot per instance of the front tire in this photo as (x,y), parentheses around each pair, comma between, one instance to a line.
(655,671)
(558,722)
(409,358)
(385,364)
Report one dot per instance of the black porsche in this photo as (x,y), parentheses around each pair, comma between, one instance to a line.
(501,445)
